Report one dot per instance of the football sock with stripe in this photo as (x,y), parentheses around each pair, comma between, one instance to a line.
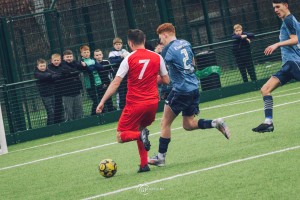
(268,106)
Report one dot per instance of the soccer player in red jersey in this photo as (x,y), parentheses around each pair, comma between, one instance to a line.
(142,68)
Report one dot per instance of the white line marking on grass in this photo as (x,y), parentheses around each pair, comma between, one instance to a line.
(70,153)
(251,111)
(246,101)
(241,101)
(59,141)
(194,172)
(103,145)
(57,156)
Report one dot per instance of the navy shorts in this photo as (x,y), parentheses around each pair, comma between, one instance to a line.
(290,70)
(187,103)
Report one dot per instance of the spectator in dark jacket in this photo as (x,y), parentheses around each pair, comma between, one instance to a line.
(116,56)
(242,52)
(105,73)
(56,69)
(72,98)
(46,88)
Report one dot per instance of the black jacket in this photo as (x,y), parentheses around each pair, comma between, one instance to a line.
(59,79)
(241,47)
(72,82)
(105,71)
(45,82)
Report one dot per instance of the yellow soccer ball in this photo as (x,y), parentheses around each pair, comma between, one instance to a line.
(107,168)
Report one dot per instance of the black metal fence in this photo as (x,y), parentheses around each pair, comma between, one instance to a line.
(36,29)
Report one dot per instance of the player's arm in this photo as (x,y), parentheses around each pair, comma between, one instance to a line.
(165,79)
(114,85)
(112,88)
(290,42)
(163,72)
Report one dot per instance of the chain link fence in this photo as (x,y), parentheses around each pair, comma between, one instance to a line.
(34,29)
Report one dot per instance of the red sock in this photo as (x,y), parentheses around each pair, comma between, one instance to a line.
(143,153)
(128,136)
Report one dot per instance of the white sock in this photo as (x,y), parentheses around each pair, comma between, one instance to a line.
(268,121)
(161,156)
(213,123)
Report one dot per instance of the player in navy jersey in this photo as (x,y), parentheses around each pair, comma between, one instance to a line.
(142,68)
(184,96)
(290,54)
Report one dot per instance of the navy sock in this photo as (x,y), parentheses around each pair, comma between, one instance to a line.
(163,144)
(268,105)
(204,124)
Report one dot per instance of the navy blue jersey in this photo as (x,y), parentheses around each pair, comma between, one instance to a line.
(179,56)
(289,27)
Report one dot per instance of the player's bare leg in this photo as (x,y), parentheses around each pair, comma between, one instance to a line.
(165,137)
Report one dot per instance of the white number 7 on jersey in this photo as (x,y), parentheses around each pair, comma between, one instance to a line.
(146,62)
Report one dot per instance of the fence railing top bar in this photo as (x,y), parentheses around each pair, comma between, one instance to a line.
(18,83)
(230,41)
(31,81)
(11,18)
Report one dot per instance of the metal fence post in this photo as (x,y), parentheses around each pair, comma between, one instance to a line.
(12,75)
(130,14)
(206,20)
(163,12)
(88,27)
(17,119)
(49,27)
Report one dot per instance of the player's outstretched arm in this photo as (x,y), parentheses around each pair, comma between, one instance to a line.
(112,88)
(292,41)
(165,79)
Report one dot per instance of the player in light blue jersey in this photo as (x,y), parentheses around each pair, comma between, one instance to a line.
(184,96)
(290,54)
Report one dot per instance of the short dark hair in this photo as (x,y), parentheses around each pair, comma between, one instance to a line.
(282,1)
(67,52)
(41,61)
(136,36)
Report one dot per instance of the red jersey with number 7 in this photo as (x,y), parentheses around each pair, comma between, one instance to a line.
(142,67)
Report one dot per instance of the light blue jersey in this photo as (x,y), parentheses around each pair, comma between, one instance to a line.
(178,56)
(289,27)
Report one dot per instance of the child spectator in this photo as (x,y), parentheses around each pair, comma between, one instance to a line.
(242,52)
(89,64)
(72,99)
(92,80)
(56,69)
(116,56)
(105,74)
(46,88)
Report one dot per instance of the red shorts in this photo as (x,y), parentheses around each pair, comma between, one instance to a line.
(133,117)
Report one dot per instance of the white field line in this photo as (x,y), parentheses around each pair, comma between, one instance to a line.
(268,66)
(242,101)
(57,156)
(142,185)
(251,111)
(59,141)
(259,97)
(70,153)
(247,101)
(109,144)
